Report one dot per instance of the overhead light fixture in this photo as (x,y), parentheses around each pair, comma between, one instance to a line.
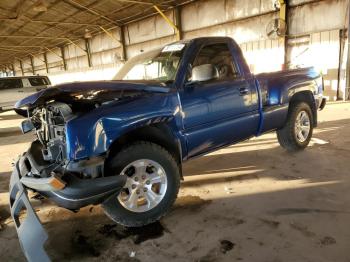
(40,6)
(87,34)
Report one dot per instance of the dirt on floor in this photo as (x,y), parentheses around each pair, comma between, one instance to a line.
(249,202)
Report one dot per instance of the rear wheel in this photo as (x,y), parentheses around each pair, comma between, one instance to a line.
(153,181)
(297,132)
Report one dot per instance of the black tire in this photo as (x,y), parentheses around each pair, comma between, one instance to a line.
(287,136)
(136,151)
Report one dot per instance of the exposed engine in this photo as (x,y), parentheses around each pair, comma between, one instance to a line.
(49,122)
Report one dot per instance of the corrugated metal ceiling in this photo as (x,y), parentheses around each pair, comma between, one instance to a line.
(24,30)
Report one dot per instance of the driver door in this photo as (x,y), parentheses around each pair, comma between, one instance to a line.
(217,111)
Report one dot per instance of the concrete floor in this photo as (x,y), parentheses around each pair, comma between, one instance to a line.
(249,202)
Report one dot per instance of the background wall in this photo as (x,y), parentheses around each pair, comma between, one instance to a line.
(316,38)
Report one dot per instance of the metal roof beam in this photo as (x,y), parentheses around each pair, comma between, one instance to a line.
(71,16)
(22,61)
(42,37)
(50,27)
(110,35)
(142,2)
(23,46)
(50,22)
(52,5)
(63,38)
(32,37)
(19,8)
(76,4)
(33,56)
(91,4)
(50,50)
(10,49)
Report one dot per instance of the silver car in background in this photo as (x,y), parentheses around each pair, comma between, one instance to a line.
(13,89)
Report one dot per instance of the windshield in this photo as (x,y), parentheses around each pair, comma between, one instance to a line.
(158,65)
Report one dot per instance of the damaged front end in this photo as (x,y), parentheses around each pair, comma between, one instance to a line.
(46,169)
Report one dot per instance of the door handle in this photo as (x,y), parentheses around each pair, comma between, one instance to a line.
(243,91)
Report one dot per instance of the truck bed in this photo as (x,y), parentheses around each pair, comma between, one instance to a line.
(276,88)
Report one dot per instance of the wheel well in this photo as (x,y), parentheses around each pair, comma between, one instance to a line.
(159,134)
(306,97)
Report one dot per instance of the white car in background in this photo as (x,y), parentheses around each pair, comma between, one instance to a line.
(13,89)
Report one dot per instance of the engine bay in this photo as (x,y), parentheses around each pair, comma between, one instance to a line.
(49,122)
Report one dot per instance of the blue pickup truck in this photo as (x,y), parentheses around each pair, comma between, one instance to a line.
(121,143)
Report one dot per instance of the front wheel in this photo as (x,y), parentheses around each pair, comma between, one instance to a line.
(297,132)
(153,181)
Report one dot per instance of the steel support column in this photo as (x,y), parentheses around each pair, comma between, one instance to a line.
(342,39)
(13,69)
(32,63)
(45,60)
(63,58)
(21,65)
(347,87)
(283,15)
(122,42)
(88,52)
(178,21)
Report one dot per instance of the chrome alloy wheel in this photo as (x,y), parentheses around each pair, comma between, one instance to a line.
(145,187)
(302,126)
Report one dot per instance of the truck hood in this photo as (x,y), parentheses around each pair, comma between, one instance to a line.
(90,93)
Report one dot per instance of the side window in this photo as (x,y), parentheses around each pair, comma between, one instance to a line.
(8,83)
(220,57)
(37,81)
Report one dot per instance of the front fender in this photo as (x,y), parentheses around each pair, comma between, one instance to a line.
(92,134)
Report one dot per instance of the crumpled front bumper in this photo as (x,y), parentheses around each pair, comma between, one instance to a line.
(76,194)
(32,235)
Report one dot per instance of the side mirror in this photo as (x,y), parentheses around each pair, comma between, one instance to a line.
(26,126)
(204,73)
